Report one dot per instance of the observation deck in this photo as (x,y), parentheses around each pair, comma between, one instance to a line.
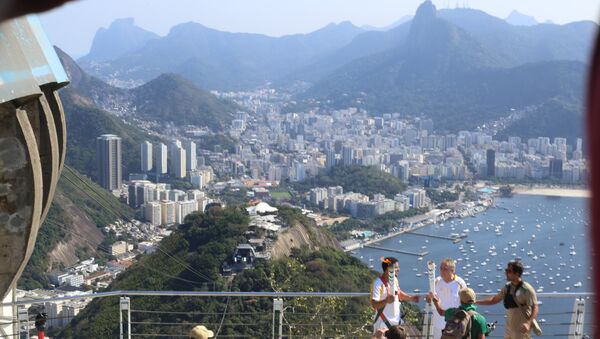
(562,315)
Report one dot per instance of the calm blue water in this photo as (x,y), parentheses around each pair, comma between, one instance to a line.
(533,232)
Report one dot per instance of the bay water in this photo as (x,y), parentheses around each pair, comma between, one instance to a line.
(548,234)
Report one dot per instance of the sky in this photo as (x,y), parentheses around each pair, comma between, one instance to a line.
(72,26)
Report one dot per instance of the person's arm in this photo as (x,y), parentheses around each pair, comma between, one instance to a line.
(376,298)
(489,301)
(481,336)
(492,300)
(526,327)
(377,304)
(534,312)
(436,303)
(402,296)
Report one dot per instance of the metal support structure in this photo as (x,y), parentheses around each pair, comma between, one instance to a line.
(15,325)
(278,307)
(23,322)
(428,321)
(124,305)
(577,319)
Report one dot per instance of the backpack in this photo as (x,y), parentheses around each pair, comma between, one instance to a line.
(459,326)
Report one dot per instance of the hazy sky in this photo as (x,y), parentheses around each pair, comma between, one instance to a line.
(72,27)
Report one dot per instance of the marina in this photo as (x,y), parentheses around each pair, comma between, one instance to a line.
(548,234)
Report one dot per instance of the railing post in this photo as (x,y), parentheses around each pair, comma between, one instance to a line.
(278,307)
(23,319)
(577,319)
(427,323)
(124,305)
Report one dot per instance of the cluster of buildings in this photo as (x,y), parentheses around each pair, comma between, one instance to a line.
(294,146)
(161,205)
(359,205)
(178,160)
(537,158)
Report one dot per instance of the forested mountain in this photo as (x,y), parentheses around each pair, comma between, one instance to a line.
(168,98)
(517,45)
(202,243)
(175,99)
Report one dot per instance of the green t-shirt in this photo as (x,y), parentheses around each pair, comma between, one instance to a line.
(478,322)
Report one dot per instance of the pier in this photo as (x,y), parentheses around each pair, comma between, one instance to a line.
(436,236)
(422,254)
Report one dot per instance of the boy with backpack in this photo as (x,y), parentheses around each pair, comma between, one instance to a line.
(462,322)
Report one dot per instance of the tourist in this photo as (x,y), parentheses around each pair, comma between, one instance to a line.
(201,332)
(467,301)
(520,302)
(447,286)
(386,296)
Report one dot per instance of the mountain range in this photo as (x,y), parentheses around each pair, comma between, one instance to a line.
(167,98)
(444,72)
(461,66)
(219,60)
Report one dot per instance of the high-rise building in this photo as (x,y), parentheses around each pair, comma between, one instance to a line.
(160,158)
(300,172)
(416,197)
(183,208)
(190,156)
(153,213)
(108,155)
(491,162)
(347,155)
(146,153)
(402,170)
(178,161)
(168,212)
(196,180)
(329,158)
(556,168)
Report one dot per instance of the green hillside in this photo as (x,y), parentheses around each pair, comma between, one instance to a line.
(358,179)
(171,98)
(86,122)
(202,243)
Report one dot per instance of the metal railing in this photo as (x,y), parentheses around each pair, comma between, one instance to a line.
(558,316)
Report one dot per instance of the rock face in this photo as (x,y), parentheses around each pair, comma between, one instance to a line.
(64,254)
(121,37)
(300,235)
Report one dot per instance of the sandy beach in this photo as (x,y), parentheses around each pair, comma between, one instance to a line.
(553,192)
